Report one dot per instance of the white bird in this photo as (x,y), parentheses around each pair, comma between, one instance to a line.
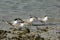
(30,20)
(17,23)
(14,22)
(44,19)
(27,22)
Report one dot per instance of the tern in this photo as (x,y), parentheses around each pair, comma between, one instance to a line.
(14,22)
(44,19)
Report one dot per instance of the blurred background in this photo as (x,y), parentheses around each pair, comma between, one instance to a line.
(10,9)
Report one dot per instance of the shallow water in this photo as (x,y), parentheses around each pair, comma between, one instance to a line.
(10,9)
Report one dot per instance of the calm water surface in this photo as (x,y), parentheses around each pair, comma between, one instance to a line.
(10,9)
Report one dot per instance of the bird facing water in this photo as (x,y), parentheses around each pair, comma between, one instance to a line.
(14,22)
(30,20)
(44,19)
(27,22)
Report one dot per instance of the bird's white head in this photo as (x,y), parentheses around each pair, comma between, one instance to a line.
(32,18)
(45,17)
(16,20)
